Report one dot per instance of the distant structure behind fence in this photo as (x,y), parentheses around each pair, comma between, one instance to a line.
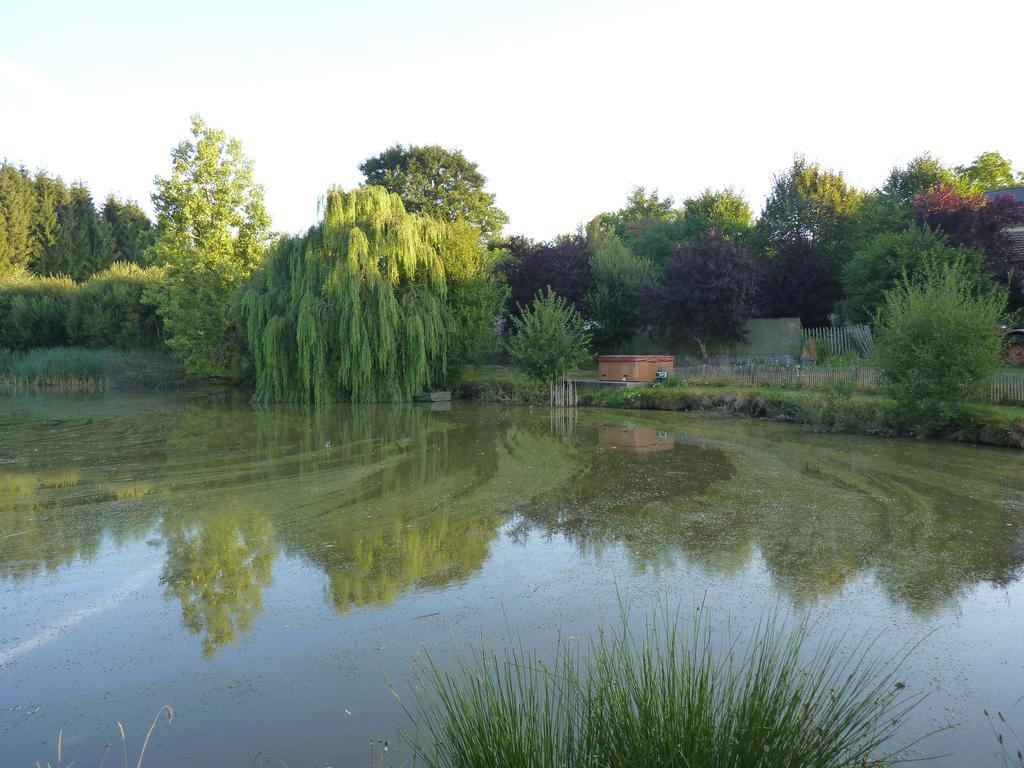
(841,339)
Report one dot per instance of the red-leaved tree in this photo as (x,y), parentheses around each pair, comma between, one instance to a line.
(706,292)
(562,265)
(970,220)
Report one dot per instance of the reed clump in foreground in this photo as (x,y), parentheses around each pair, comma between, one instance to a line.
(662,698)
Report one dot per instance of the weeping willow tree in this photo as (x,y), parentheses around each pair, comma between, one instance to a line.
(352,310)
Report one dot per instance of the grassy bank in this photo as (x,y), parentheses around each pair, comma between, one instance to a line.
(77,368)
(662,698)
(837,409)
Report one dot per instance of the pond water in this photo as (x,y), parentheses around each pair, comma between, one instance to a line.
(271,573)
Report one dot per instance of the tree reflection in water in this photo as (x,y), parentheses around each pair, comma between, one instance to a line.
(385,499)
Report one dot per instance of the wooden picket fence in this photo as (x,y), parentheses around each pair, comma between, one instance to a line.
(788,377)
(841,339)
(1006,388)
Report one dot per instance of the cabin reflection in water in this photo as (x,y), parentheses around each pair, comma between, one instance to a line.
(627,437)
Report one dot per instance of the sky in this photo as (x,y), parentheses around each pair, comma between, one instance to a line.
(566,105)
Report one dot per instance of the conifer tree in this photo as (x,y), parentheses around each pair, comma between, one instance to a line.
(17,201)
(51,195)
(83,245)
(130,228)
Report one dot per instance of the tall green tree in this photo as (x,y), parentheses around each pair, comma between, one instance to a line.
(641,207)
(51,197)
(617,277)
(17,209)
(649,225)
(354,309)
(212,227)
(922,174)
(814,203)
(437,182)
(989,171)
(476,294)
(130,228)
(83,245)
(724,211)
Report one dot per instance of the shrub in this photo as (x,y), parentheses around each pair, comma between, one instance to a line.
(548,338)
(107,310)
(937,343)
(33,310)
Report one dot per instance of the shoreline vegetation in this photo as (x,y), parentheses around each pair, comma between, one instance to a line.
(408,280)
(833,409)
(77,369)
(830,410)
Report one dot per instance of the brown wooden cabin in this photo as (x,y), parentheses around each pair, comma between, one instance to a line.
(634,367)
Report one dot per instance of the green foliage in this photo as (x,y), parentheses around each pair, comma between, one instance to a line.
(617,277)
(661,698)
(814,203)
(104,311)
(17,210)
(648,225)
(52,229)
(990,171)
(84,242)
(437,182)
(725,212)
(75,367)
(130,228)
(937,344)
(34,310)
(641,207)
(922,174)
(476,295)
(108,310)
(548,338)
(211,231)
(878,266)
(354,309)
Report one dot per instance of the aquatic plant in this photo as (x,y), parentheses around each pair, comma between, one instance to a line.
(352,310)
(661,698)
(90,369)
(166,709)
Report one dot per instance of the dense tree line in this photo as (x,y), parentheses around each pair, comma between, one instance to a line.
(410,276)
(821,250)
(51,228)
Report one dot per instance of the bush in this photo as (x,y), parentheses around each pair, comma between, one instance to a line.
(662,699)
(34,310)
(548,338)
(107,310)
(937,343)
